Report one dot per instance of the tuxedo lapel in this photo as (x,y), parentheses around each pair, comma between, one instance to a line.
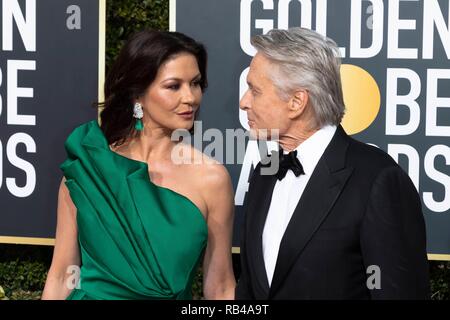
(257,208)
(319,196)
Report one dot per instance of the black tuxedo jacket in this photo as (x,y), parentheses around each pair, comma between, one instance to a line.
(359,209)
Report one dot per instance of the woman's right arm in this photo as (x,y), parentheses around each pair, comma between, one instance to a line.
(66,252)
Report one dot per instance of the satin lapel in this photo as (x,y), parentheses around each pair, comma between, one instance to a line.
(319,196)
(257,209)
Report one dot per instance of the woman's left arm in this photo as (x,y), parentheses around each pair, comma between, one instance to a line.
(218,276)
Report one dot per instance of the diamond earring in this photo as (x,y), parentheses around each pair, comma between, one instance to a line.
(138,113)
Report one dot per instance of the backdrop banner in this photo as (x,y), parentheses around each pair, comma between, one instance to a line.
(395,74)
(49,78)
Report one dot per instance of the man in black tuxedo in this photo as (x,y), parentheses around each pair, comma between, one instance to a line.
(340,219)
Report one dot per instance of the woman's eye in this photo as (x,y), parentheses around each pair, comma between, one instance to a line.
(196,83)
(174,87)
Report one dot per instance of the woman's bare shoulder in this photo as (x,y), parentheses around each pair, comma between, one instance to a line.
(213,180)
(211,170)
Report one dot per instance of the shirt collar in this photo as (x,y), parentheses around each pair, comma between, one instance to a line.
(311,150)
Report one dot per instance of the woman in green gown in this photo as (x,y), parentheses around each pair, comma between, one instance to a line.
(138,209)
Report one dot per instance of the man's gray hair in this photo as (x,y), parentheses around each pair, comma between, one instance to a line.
(306,60)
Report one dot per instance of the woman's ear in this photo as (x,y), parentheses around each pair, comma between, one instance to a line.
(137,100)
(298,103)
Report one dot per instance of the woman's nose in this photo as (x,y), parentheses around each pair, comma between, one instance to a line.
(188,95)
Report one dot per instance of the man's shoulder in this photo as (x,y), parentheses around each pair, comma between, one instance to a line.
(369,156)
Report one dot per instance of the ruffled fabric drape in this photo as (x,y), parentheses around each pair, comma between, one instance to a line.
(137,240)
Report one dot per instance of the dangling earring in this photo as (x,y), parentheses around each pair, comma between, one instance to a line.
(138,114)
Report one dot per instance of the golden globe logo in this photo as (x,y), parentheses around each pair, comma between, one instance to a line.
(362,98)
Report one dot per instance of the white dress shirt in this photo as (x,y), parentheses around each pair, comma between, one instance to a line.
(287,193)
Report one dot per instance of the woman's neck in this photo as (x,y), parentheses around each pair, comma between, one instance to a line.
(152,144)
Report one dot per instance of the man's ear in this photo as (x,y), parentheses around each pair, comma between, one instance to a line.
(298,103)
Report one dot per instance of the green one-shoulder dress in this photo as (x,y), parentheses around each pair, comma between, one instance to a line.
(137,240)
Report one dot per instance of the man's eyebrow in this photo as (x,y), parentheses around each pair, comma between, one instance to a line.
(252,86)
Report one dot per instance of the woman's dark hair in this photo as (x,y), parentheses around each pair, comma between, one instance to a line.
(134,70)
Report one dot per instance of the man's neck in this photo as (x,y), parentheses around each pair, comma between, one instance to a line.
(293,138)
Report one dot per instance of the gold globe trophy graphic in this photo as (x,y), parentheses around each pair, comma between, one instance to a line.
(361,97)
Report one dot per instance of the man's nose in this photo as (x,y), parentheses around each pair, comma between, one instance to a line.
(244,102)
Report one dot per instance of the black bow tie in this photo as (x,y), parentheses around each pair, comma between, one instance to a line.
(289,161)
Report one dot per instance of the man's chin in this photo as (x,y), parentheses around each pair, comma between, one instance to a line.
(261,134)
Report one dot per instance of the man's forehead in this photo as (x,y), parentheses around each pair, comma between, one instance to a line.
(258,67)
(258,60)
(256,64)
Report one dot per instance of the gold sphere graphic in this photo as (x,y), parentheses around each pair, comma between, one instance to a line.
(361,97)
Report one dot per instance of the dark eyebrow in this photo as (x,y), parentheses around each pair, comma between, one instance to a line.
(197,77)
